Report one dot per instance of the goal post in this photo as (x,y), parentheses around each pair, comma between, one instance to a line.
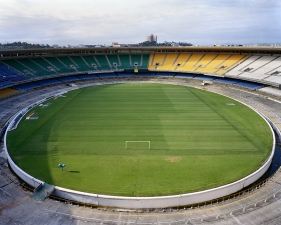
(126,143)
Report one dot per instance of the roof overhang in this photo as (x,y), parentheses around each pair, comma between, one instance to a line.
(119,50)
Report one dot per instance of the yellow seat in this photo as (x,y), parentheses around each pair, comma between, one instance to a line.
(213,65)
(183,57)
(168,62)
(6,92)
(190,64)
(196,62)
(231,62)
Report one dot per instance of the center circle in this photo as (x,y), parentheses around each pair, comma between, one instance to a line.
(140,139)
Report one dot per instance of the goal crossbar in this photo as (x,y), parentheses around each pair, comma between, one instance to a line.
(126,143)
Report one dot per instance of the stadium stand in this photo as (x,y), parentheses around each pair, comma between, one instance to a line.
(226,81)
(203,77)
(171,58)
(107,75)
(37,69)
(208,58)
(27,86)
(44,65)
(250,67)
(271,91)
(9,75)
(181,60)
(58,65)
(103,62)
(114,61)
(259,68)
(165,74)
(157,60)
(125,74)
(17,66)
(139,60)
(230,81)
(147,74)
(190,64)
(125,62)
(7,92)
(271,66)
(274,80)
(197,62)
(168,63)
(185,75)
(213,65)
(23,65)
(144,61)
(5,71)
(4,84)
(231,62)
(68,78)
(80,64)
(87,76)
(68,63)
(91,61)
(40,67)
(47,82)
(249,85)
(136,60)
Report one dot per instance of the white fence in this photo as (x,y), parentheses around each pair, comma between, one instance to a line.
(140,202)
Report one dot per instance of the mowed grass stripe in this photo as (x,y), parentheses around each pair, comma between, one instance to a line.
(196,140)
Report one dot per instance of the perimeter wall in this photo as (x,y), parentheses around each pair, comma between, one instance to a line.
(138,202)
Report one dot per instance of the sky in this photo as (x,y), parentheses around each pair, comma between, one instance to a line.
(200,22)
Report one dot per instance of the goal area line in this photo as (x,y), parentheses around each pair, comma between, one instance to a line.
(126,143)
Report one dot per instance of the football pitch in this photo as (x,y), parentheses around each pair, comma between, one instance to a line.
(198,140)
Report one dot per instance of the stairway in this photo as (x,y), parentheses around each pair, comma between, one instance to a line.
(42,192)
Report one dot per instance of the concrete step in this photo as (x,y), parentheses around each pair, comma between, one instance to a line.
(42,192)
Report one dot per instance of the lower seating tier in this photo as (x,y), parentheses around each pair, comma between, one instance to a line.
(7,92)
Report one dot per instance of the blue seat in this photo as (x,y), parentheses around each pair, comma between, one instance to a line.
(69,78)
(10,75)
(47,82)
(204,77)
(182,75)
(125,74)
(146,74)
(250,85)
(5,71)
(23,87)
(226,80)
(88,76)
(166,74)
(106,75)
(4,83)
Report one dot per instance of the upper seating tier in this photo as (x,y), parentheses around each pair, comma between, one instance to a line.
(265,69)
(194,62)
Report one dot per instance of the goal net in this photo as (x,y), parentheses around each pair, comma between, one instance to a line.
(127,143)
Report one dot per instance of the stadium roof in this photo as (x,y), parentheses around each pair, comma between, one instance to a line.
(111,50)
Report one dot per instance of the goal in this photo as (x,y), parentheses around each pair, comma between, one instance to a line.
(126,143)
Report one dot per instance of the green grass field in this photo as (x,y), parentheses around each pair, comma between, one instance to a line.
(199,140)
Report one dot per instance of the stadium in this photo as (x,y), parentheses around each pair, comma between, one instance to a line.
(130,88)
